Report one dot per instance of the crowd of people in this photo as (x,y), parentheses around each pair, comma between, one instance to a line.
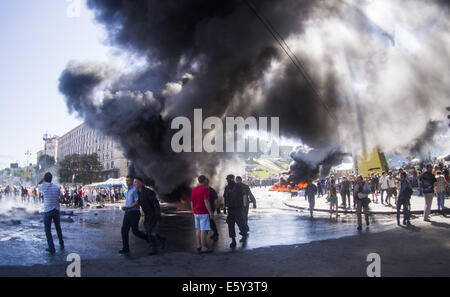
(355,191)
(71,196)
(392,187)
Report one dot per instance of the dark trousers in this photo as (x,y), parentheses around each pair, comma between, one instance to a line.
(236,216)
(245,213)
(48,217)
(406,211)
(212,222)
(151,228)
(319,191)
(344,195)
(213,227)
(131,220)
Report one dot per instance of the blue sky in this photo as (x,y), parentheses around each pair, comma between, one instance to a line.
(38,39)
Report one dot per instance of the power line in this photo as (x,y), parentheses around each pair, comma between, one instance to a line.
(298,64)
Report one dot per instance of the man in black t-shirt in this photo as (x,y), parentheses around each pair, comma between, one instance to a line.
(212,200)
(428,180)
(152,212)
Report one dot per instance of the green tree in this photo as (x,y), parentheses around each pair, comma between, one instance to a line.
(44,163)
(90,169)
(83,169)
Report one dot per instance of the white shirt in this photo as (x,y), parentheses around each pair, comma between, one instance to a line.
(51,195)
(391,182)
(383,182)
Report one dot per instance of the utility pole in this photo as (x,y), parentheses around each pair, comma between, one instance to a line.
(28,154)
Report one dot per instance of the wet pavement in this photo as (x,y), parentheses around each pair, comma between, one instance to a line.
(95,233)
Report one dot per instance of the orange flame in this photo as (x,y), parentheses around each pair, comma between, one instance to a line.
(288,188)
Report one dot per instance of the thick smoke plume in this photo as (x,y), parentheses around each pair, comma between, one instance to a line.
(380,73)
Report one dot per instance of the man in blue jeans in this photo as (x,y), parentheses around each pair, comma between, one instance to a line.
(51,194)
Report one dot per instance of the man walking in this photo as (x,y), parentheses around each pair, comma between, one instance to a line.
(51,194)
(345,192)
(428,180)
(152,212)
(310,193)
(213,200)
(235,201)
(392,190)
(250,198)
(131,217)
(404,198)
(440,188)
(383,186)
(361,194)
(201,207)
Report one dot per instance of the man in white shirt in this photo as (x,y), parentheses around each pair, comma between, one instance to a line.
(384,186)
(392,190)
(51,194)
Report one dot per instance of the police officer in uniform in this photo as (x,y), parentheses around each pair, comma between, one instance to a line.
(235,201)
(250,198)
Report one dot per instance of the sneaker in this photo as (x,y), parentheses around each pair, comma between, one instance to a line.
(51,251)
(233,244)
(124,251)
(244,238)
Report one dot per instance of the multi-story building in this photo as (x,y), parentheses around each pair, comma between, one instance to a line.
(83,140)
(51,145)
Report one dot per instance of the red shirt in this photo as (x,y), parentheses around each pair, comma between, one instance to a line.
(198,197)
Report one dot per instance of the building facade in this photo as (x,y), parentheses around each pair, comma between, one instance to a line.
(83,140)
(51,145)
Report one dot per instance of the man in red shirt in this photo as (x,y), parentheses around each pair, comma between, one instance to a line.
(201,208)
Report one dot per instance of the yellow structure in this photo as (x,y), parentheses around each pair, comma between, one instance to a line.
(372,161)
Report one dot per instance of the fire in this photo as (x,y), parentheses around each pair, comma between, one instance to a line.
(291,187)
(184,199)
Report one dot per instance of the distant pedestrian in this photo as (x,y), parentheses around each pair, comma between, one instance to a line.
(235,201)
(404,198)
(310,193)
(384,186)
(440,188)
(201,207)
(392,190)
(428,180)
(319,189)
(361,194)
(345,191)
(333,199)
(373,187)
(51,194)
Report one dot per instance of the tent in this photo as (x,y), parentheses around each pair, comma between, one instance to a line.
(112,182)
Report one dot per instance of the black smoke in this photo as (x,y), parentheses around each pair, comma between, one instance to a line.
(217,56)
